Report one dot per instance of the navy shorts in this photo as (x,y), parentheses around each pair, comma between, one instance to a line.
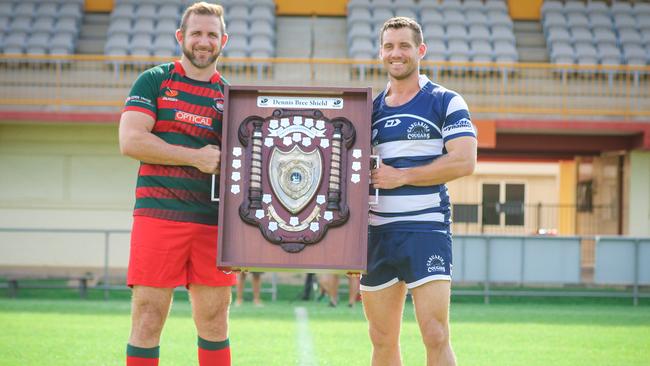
(413,257)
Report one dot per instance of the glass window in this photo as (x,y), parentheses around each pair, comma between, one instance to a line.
(491,204)
(585,196)
(514,206)
(465,213)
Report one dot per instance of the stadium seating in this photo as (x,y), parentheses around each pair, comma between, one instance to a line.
(39,28)
(454,30)
(594,33)
(250,25)
(576,32)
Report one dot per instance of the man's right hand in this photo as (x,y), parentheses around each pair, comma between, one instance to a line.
(137,141)
(208,159)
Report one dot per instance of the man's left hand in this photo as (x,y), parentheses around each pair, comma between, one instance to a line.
(387,177)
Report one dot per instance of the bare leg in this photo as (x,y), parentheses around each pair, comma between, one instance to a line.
(241,283)
(149,309)
(353,287)
(257,287)
(431,302)
(330,283)
(210,311)
(384,310)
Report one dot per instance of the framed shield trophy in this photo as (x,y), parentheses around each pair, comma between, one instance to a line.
(293,189)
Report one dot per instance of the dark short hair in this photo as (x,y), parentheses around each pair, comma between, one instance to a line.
(203,8)
(402,22)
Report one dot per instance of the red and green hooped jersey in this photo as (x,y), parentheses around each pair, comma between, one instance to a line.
(187,113)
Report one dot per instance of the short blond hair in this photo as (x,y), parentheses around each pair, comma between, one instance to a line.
(203,8)
(402,22)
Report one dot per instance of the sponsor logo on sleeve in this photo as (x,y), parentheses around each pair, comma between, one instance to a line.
(139,99)
(462,125)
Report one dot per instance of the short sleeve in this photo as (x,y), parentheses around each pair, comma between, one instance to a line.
(144,94)
(457,120)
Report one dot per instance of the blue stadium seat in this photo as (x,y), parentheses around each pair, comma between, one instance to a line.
(168,12)
(362,48)
(436,51)
(455,32)
(609,54)
(21,23)
(505,52)
(562,53)
(479,32)
(47,10)
(25,9)
(481,51)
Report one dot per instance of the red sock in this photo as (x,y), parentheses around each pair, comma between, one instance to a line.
(214,353)
(141,361)
(137,356)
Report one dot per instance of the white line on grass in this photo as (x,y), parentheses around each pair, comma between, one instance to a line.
(305,346)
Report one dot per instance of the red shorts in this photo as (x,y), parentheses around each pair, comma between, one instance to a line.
(170,253)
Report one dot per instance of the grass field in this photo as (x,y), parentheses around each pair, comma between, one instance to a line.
(69,332)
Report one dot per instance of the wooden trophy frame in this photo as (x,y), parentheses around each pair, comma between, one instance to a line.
(293,188)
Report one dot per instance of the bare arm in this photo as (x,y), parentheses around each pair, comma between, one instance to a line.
(459,161)
(137,142)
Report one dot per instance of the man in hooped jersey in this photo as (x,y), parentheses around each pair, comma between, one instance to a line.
(172,124)
(424,137)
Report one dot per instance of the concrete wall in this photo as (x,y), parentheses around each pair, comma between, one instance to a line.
(64,168)
(63,177)
(541,182)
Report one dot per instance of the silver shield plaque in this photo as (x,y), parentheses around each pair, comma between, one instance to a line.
(295,176)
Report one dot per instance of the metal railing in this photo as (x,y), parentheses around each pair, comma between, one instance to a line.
(80,81)
(106,277)
(534,219)
(105,234)
(528,261)
(489,260)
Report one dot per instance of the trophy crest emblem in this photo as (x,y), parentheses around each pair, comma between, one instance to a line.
(295,160)
(295,175)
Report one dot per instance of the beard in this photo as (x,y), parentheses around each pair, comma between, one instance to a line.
(197,61)
(405,73)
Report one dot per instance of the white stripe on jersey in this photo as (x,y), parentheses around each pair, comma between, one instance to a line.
(407,203)
(455,104)
(405,148)
(419,118)
(380,220)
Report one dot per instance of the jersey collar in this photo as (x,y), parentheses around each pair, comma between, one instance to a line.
(178,68)
(423,80)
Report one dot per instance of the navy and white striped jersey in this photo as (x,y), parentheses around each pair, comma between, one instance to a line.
(410,135)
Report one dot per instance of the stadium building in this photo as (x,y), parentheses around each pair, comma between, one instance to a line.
(559,92)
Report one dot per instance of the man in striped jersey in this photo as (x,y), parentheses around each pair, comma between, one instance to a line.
(424,136)
(171,123)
